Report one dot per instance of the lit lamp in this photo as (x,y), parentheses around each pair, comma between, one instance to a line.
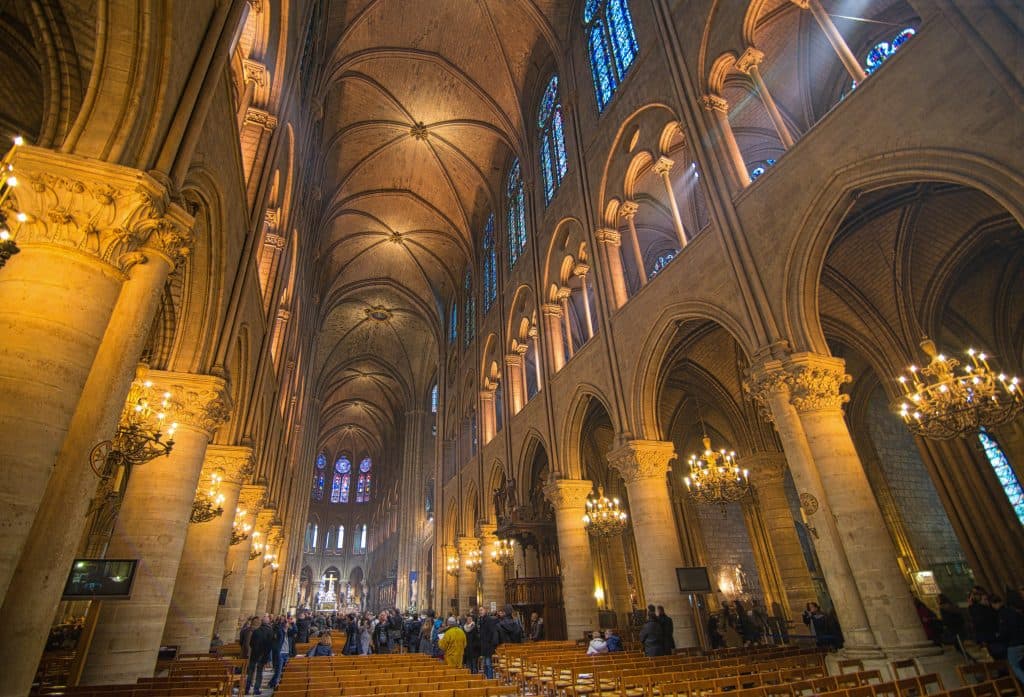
(503,552)
(257,546)
(8,181)
(604,516)
(452,565)
(270,558)
(474,560)
(239,528)
(140,434)
(208,504)
(715,477)
(938,403)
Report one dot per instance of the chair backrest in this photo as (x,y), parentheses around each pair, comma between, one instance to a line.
(850,665)
(907,664)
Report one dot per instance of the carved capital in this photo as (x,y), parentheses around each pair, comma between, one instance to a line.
(642,459)
(764,382)
(272,217)
(802,4)
(514,360)
(750,59)
(815,382)
(467,545)
(251,500)
(275,241)
(488,533)
(551,310)
(568,493)
(712,102)
(581,269)
(254,71)
(236,462)
(766,468)
(663,166)
(608,236)
(201,402)
(275,536)
(97,208)
(265,519)
(629,209)
(564,293)
(261,118)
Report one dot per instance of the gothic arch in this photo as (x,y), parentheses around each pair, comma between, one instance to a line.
(820,221)
(572,428)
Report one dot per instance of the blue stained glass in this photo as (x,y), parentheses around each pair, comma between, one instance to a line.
(516,215)
(758,170)
(559,141)
(884,50)
(346,479)
(469,318)
(1004,473)
(548,102)
(660,263)
(623,39)
(336,489)
(433,399)
(343,465)
(545,162)
(453,322)
(612,45)
(318,486)
(363,488)
(604,79)
(490,265)
(365,465)
(321,461)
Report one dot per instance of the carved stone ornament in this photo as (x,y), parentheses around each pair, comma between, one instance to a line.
(608,236)
(236,462)
(750,59)
(712,102)
(568,493)
(201,402)
(815,382)
(809,503)
(112,212)
(259,117)
(663,166)
(642,459)
(251,499)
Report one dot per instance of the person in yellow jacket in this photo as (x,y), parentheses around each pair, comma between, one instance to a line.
(453,643)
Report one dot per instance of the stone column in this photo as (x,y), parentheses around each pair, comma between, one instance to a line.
(842,50)
(644,465)
(229,616)
(488,417)
(87,219)
(535,347)
(467,578)
(581,270)
(268,567)
(629,210)
(569,497)
(663,168)
(563,297)
(748,63)
(768,471)
(516,384)
(719,110)
(193,611)
(808,384)
(619,581)
(151,527)
(609,243)
(492,576)
(553,331)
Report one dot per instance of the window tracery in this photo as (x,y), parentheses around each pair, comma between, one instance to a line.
(490,265)
(516,214)
(612,45)
(553,161)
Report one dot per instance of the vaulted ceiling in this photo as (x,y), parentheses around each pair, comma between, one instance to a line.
(422,112)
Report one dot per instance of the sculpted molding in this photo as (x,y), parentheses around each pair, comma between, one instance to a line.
(642,459)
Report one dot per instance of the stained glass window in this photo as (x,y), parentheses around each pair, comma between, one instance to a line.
(516,214)
(661,262)
(490,265)
(1004,473)
(612,45)
(341,537)
(884,50)
(469,320)
(363,483)
(434,399)
(319,480)
(342,480)
(760,168)
(552,140)
(453,322)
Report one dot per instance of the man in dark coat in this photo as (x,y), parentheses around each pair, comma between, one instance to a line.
(488,629)
(668,640)
(302,626)
(650,636)
(261,643)
(509,629)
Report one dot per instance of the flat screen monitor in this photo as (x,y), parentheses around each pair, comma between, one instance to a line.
(100,579)
(693,579)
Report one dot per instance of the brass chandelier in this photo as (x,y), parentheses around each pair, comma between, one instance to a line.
(474,560)
(239,528)
(257,546)
(8,181)
(503,552)
(144,433)
(939,403)
(715,477)
(208,504)
(452,565)
(604,516)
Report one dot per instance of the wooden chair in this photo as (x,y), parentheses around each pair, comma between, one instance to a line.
(856,664)
(931,684)
(885,689)
(908,687)
(1008,687)
(905,664)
